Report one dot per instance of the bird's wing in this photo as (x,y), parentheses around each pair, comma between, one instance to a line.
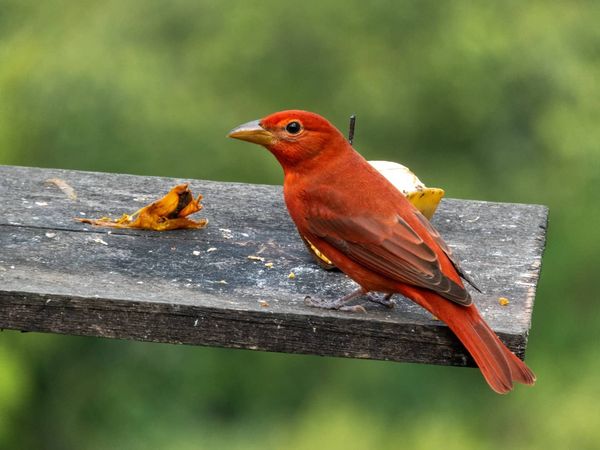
(387,245)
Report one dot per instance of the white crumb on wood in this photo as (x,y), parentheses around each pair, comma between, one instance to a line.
(99,241)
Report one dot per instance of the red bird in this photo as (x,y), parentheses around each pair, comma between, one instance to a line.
(368,229)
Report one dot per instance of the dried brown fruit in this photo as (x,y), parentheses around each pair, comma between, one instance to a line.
(168,213)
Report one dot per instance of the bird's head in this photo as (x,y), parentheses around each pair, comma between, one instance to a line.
(294,136)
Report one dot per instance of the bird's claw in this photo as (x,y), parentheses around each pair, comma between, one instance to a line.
(335,305)
(386,300)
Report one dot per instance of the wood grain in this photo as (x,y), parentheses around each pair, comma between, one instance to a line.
(199,286)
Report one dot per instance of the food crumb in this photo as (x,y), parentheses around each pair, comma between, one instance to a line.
(226,232)
(503,301)
(292,275)
(196,253)
(263,303)
(255,258)
(100,241)
(212,249)
(269,265)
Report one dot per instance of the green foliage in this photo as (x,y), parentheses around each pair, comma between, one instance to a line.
(494,101)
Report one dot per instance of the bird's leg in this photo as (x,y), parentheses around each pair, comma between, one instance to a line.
(339,304)
(386,300)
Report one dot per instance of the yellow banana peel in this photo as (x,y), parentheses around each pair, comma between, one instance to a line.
(425,199)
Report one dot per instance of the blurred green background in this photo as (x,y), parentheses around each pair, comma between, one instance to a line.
(493,101)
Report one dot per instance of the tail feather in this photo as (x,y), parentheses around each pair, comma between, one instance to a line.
(499,366)
(488,355)
(519,371)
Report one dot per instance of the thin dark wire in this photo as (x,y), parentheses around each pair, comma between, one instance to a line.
(351,129)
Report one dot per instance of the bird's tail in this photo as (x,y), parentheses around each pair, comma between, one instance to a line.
(499,366)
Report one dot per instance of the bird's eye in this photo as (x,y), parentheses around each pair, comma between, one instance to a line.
(293,127)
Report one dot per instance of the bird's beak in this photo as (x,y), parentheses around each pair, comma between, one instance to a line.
(252,132)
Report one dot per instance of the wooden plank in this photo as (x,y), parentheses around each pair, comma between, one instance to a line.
(199,287)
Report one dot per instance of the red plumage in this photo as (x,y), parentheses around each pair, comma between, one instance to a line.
(371,232)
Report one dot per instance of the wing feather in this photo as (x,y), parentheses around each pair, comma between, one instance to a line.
(388,246)
(447,251)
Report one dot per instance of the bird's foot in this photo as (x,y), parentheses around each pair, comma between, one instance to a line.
(333,304)
(339,304)
(386,300)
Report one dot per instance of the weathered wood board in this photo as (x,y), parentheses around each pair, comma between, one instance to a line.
(199,286)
